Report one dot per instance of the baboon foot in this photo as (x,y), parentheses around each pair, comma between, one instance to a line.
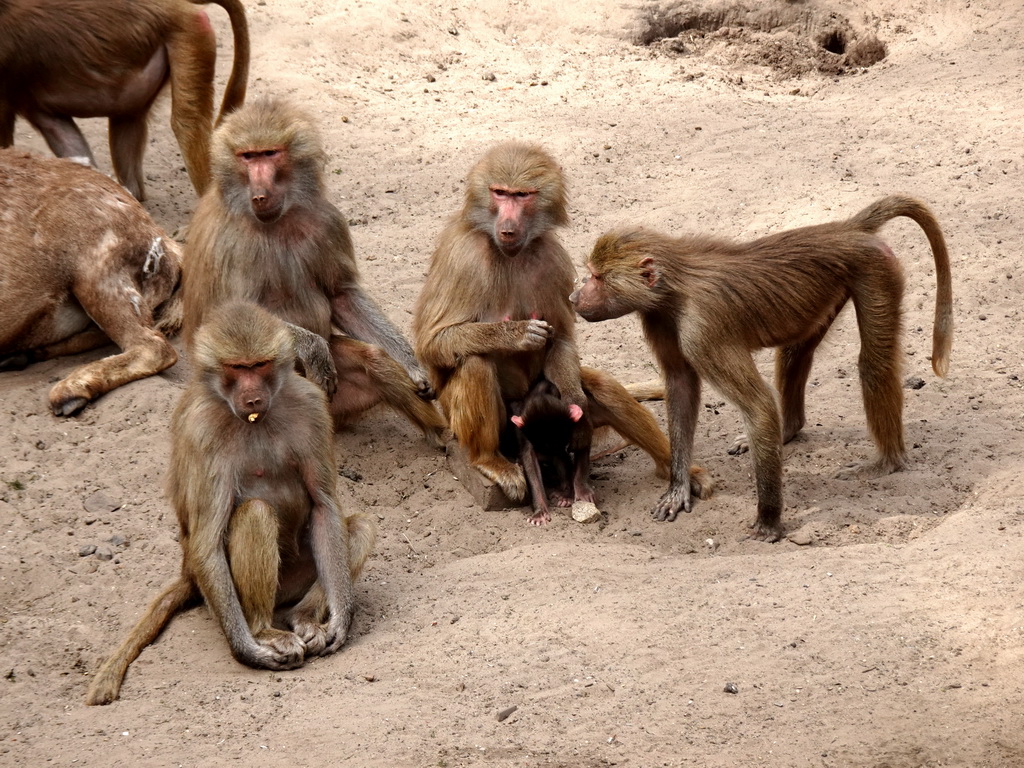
(508,476)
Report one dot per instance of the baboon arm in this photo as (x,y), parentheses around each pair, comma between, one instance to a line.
(682,394)
(534,479)
(452,344)
(562,368)
(207,556)
(328,535)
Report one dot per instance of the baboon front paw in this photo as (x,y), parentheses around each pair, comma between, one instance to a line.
(543,517)
(313,636)
(675,500)
(770,532)
(279,649)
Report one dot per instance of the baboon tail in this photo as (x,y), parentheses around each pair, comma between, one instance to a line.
(647,390)
(878,213)
(107,683)
(234,92)
(362,534)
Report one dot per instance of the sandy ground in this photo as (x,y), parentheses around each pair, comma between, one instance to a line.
(891,636)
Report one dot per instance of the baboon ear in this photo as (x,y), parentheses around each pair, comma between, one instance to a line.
(518,421)
(649,270)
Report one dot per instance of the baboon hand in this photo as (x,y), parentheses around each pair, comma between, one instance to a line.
(765,532)
(275,649)
(676,499)
(535,335)
(337,631)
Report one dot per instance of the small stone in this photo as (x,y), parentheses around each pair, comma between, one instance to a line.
(731,688)
(505,713)
(489,76)
(431,79)
(86,549)
(100,504)
(350,474)
(585,512)
(801,537)
(104,553)
(913,382)
(118,541)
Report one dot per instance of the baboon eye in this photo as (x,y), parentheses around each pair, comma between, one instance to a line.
(257,153)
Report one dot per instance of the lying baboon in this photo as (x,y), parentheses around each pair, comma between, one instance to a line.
(82,264)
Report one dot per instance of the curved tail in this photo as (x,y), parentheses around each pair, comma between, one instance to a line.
(107,683)
(871,220)
(234,93)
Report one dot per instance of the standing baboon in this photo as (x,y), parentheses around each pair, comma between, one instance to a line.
(111,58)
(706,304)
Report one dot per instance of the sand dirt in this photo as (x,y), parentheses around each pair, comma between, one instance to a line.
(892,635)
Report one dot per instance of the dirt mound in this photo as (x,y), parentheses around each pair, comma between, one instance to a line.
(789,38)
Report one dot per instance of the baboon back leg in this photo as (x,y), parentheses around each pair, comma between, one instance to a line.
(877,301)
(127,146)
(367,375)
(145,351)
(792,368)
(255,560)
(613,405)
(192,55)
(472,400)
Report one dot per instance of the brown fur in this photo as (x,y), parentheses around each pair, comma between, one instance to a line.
(264,231)
(82,264)
(61,59)
(493,317)
(706,304)
(242,487)
(494,314)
